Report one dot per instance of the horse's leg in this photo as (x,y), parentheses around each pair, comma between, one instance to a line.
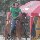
(14,38)
(5,36)
(26,38)
(19,38)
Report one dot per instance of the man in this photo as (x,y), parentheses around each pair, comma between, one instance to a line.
(15,11)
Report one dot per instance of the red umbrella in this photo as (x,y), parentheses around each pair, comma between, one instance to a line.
(30,7)
(33,9)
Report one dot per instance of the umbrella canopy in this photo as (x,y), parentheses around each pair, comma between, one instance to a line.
(30,7)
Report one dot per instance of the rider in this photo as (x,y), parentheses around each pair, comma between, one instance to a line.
(15,11)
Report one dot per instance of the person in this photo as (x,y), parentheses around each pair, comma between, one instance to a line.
(33,30)
(15,12)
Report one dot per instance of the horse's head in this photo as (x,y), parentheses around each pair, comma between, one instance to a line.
(24,14)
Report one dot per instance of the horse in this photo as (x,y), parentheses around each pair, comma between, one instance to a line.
(22,29)
(7,27)
(25,25)
(19,30)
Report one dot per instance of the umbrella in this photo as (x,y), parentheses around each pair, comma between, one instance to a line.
(30,7)
(33,9)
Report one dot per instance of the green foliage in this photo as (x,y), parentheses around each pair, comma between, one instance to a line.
(22,2)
